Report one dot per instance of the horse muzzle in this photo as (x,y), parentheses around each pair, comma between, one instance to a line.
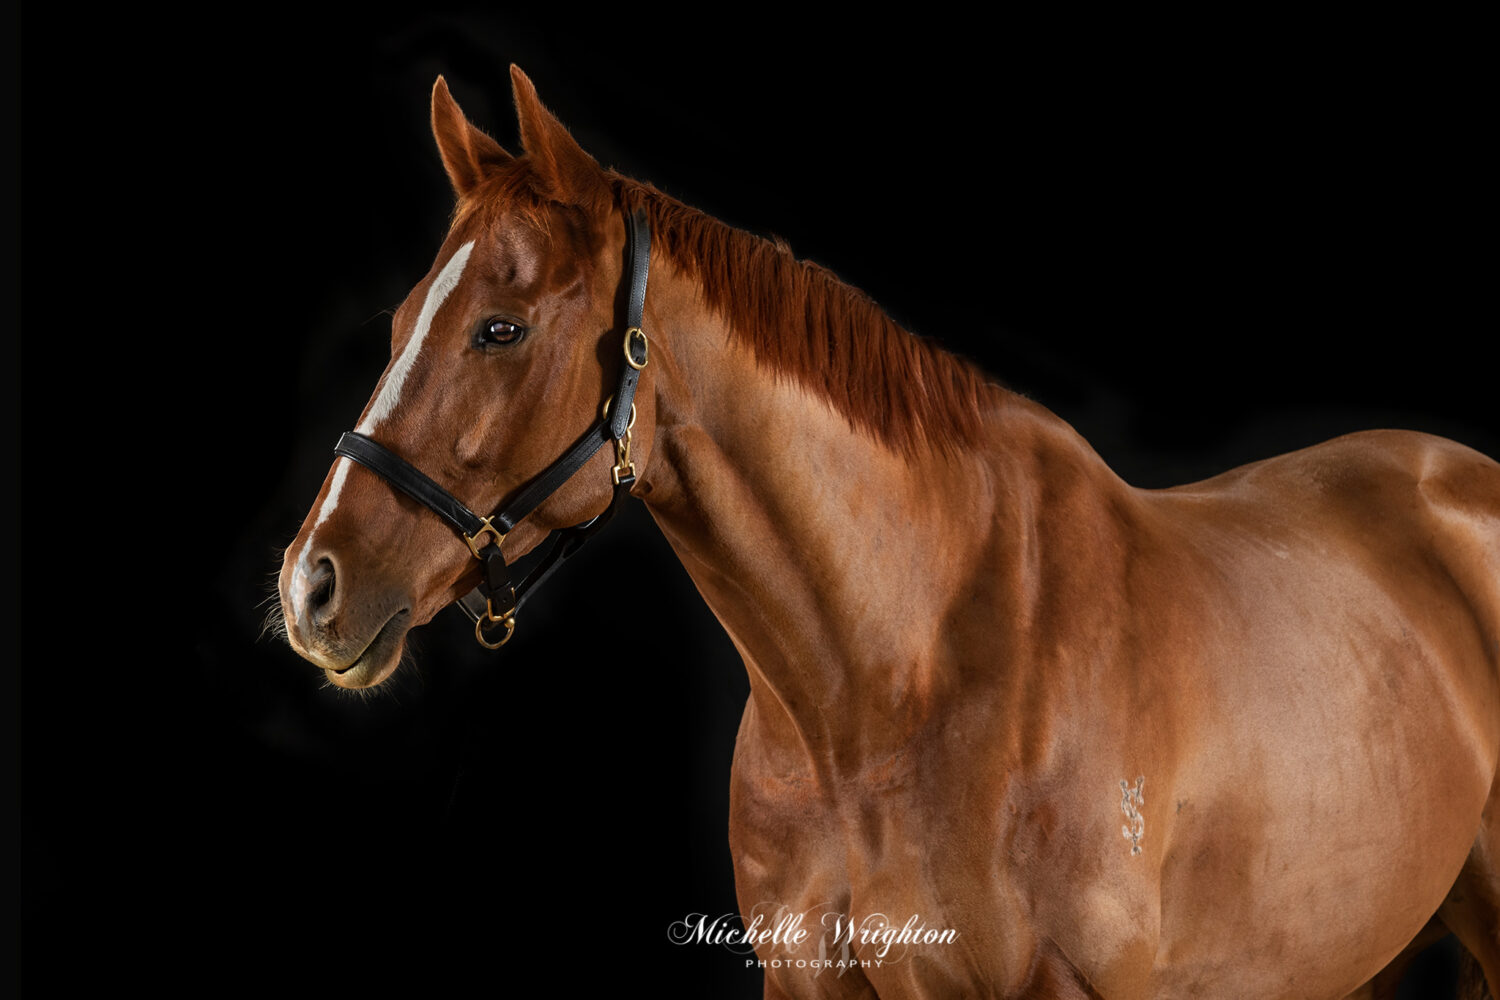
(355,637)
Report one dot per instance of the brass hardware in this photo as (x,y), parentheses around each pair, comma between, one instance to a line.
(632,413)
(473,540)
(623,464)
(508,620)
(630,334)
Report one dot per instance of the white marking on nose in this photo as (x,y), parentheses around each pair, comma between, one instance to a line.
(302,571)
(390,392)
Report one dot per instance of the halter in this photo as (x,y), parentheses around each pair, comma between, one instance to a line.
(493,604)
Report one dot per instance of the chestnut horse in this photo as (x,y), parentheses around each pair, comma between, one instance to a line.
(1054,735)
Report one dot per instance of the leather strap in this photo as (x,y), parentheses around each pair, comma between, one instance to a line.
(551,479)
(638,267)
(409,480)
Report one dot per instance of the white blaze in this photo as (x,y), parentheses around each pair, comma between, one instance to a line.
(385,402)
(390,393)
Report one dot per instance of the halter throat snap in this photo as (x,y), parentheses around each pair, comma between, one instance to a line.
(493,604)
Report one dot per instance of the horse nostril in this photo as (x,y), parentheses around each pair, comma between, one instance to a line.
(320,586)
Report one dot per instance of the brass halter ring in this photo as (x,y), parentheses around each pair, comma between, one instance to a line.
(628,427)
(490,618)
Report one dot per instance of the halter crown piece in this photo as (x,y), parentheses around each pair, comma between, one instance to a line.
(493,604)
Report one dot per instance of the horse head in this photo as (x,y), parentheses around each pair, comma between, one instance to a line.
(501,358)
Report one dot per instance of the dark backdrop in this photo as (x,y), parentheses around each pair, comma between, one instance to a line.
(1200,243)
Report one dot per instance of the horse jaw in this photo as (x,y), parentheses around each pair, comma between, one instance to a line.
(378,661)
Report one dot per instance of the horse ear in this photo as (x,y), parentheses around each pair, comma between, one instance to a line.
(468,154)
(566,173)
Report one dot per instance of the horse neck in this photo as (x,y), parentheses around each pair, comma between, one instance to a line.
(838,565)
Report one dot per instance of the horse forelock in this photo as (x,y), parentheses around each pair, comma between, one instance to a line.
(510,194)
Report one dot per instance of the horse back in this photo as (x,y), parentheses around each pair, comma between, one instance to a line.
(1414,515)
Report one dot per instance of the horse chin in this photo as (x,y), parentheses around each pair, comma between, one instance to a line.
(380,658)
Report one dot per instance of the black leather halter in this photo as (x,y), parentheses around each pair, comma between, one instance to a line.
(494,603)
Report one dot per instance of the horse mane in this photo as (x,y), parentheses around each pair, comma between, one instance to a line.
(802,322)
(797,317)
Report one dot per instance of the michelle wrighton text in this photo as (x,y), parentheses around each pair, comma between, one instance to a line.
(814,935)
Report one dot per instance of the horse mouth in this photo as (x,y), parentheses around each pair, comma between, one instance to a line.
(379,659)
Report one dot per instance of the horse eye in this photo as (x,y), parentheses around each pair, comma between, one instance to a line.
(500,331)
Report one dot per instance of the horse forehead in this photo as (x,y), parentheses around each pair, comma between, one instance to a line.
(510,258)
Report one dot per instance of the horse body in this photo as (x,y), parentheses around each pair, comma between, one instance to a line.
(1232,739)
(946,734)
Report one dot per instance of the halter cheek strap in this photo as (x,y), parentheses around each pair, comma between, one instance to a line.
(494,603)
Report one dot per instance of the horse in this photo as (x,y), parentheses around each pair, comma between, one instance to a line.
(1018,728)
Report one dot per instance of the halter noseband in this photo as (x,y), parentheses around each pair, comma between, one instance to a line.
(494,603)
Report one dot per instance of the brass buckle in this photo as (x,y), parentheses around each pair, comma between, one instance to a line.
(486,527)
(630,335)
(490,618)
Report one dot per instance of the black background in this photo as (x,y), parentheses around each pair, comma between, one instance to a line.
(1199,242)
